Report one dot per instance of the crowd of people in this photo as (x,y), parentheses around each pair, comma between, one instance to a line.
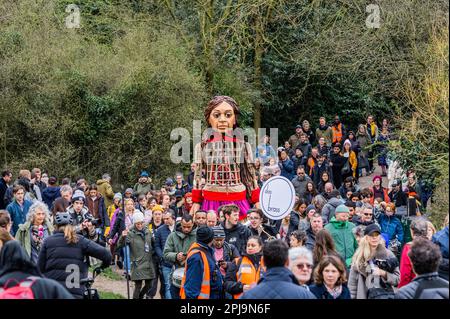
(341,241)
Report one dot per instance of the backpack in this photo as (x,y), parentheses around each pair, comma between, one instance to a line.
(430,284)
(21,291)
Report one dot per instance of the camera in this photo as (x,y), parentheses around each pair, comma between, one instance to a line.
(388,265)
(94,221)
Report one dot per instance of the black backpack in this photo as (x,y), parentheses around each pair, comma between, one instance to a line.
(434,283)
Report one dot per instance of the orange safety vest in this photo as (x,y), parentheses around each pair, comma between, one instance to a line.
(337,133)
(247,273)
(205,288)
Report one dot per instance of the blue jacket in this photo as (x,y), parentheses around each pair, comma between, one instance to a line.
(194,275)
(18,216)
(278,283)
(321,292)
(50,194)
(287,168)
(392,226)
(441,239)
(264,152)
(160,240)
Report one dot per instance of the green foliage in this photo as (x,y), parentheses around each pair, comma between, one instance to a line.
(110,295)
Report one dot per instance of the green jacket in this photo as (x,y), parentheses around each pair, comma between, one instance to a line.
(142,266)
(344,239)
(178,242)
(23,235)
(142,189)
(106,190)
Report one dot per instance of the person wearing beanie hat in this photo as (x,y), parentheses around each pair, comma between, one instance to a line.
(144,185)
(139,240)
(379,191)
(202,279)
(351,166)
(341,231)
(112,209)
(224,252)
(78,195)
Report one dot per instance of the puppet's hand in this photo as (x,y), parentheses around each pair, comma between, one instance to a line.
(195,207)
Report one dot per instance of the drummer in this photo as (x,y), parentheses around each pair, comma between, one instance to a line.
(176,249)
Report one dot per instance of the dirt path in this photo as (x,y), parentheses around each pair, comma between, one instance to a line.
(106,284)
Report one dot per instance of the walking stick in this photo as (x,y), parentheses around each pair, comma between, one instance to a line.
(128,271)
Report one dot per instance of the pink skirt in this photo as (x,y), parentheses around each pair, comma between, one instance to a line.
(243,205)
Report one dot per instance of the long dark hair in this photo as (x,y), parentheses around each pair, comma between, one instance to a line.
(324,245)
(244,168)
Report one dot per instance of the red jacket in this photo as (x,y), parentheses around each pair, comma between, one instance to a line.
(406,272)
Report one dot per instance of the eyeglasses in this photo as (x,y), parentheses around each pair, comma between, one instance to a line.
(301,266)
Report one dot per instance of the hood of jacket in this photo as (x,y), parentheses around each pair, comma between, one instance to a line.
(279,274)
(182,235)
(52,191)
(335,202)
(339,224)
(14,258)
(101,182)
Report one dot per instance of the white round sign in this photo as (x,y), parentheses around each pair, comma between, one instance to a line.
(277,197)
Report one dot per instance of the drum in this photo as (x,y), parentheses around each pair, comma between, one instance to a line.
(177,277)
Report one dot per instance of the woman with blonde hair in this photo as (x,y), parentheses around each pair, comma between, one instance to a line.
(37,227)
(66,250)
(374,270)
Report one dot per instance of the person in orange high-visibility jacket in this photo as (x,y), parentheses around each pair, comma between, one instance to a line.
(202,278)
(245,272)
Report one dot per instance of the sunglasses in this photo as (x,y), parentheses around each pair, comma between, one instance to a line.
(301,266)
(366,214)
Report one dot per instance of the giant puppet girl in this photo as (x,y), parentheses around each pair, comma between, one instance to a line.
(227,160)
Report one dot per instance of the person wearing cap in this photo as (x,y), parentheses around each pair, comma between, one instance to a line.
(144,184)
(202,278)
(294,140)
(374,270)
(245,272)
(224,252)
(378,190)
(140,240)
(397,195)
(341,232)
(66,249)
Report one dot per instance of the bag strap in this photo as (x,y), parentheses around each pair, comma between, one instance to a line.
(430,284)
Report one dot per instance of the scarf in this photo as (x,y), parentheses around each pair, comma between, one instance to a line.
(373,127)
(334,292)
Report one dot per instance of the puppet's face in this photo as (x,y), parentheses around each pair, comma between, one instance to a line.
(222,118)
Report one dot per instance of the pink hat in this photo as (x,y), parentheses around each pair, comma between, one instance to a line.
(377,177)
